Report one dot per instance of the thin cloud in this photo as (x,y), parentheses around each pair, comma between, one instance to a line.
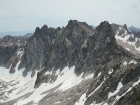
(5,14)
(135,6)
(114,10)
(136,10)
(94,12)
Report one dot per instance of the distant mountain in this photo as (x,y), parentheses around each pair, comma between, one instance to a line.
(28,35)
(134,29)
(93,26)
(15,33)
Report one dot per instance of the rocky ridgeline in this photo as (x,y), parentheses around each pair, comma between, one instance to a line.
(10,47)
(89,50)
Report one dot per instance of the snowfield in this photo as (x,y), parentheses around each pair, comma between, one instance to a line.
(21,86)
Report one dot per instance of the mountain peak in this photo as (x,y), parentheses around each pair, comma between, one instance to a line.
(104,36)
(44,27)
(125,26)
(37,30)
(72,21)
(105,30)
(104,24)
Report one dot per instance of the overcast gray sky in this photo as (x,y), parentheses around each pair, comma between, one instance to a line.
(18,15)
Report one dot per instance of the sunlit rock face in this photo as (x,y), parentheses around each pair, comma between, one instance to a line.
(72,65)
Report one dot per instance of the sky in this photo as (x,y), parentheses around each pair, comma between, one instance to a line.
(20,15)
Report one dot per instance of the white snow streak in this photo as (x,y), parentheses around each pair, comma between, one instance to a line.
(116,91)
(133,62)
(127,49)
(99,74)
(118,97)
(125,63)
(82,100)
(97,88)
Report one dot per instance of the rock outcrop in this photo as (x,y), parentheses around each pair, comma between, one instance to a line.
(91,51)
(10,51)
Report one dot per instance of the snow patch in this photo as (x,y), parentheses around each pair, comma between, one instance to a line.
(99,74)
(94,103)
(25,43)
(69,79)
(48,72)
(127,49)
(124,37)
(118,97)
(125,63)
(111,71)
(82,100)
(57,72)
(125,32)
(89,76)
(133,62)
(132,35)
(57,102)
(116,91)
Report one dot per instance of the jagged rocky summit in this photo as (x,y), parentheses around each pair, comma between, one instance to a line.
(72,65)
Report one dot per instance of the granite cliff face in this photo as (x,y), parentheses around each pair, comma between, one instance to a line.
(76,64)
